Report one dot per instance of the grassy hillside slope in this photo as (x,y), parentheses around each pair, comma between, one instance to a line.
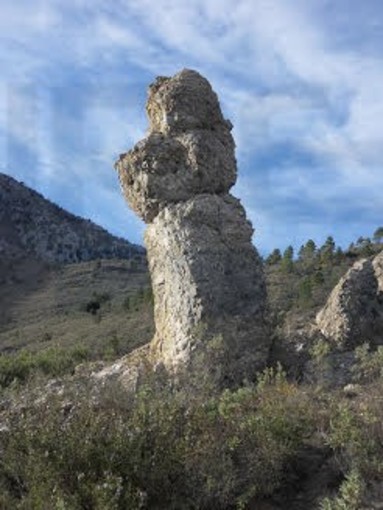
(89,303)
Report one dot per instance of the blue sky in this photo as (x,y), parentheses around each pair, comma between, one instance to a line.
(301,81)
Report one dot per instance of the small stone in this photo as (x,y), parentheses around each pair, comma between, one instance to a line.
(352,390)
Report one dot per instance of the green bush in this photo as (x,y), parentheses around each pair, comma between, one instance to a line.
(54,362)
(349,495)
(94,304)
(161,448)
(319,350)
(369,364)
(355,434)
(183,446)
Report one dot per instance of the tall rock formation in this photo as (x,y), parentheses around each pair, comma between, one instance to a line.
(206,275)
(353,313)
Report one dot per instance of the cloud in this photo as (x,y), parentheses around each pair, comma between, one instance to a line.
(300,79)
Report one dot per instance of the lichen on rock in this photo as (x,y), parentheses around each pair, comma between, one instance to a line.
(206,274)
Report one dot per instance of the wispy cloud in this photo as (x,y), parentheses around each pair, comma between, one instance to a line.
(300,79)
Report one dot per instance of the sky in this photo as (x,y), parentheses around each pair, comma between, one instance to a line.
(301,80)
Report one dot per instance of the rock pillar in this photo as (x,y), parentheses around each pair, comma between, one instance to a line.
(206,275)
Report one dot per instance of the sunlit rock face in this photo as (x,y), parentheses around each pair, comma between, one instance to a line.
(353,313)
(206,275)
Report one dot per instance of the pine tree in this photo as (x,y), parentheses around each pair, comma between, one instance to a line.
(287,264)
(318,278)
(307,255)
(305,292)
(378,235)
(365,247)
(339,256)
(274,258)
(327,251)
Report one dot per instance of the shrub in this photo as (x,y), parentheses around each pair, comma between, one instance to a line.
(94,304)
(319,350)
(112,348)
(126,303)
(349,495)
(161,448)
(356,435)
(369,364)
(54,362)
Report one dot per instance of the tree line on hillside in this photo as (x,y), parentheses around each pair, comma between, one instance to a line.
(304,279)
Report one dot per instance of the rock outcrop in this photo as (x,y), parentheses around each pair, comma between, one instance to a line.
(206,275)
(353,313)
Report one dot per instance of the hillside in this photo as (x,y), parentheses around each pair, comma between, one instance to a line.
(31,224)
(52,265)
(74,304)
(279,444)
(282,441)
(299,283)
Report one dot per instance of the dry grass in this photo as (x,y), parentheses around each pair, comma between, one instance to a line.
(43,306)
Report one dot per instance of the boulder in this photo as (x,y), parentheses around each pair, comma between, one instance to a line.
(353,313)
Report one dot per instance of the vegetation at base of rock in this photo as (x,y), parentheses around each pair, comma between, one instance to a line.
(369,362)
(161,448)
(188,447)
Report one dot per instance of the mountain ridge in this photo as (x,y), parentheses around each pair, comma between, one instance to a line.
(30,223)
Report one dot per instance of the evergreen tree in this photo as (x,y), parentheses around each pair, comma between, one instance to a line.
(274,258)
(287,264)
(365,247)
(378,235)
(327,251)
(305,292)
(360,242)
(311,247)
(352,251)
(318,278)
(339,256)
(307,254)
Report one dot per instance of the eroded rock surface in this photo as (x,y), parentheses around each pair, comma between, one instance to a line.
(206,275)
(353,313)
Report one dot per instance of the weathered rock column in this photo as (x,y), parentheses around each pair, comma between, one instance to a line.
(206,275)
